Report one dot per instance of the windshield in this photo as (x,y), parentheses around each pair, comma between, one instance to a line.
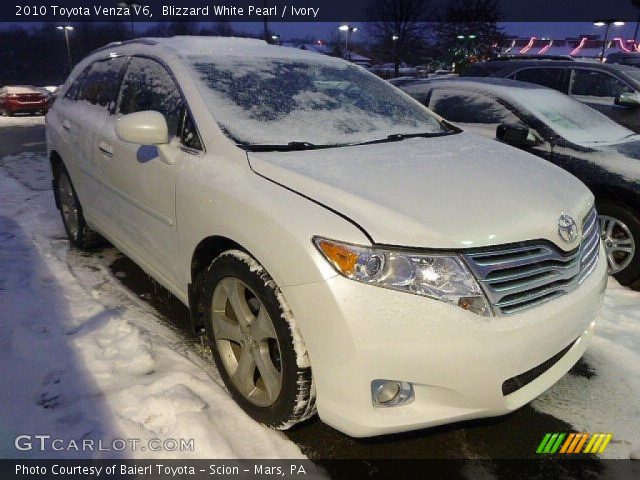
(571,119)
(274,101)
(634,73)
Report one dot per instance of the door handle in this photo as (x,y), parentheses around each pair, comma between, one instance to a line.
(105,148)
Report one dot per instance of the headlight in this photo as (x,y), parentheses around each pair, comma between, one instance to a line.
(443,277)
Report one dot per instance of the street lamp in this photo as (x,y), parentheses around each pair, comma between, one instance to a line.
(348,30)
(606,23)
(66,29)
(466,39)
(130,4)
(276,39)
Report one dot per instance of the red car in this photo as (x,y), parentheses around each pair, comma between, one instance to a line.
(22,99)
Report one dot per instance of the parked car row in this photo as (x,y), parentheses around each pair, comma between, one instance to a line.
(611,89)
(553,126)
(344,249)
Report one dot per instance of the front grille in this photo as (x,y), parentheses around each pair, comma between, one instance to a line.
(517,278)
(516,383)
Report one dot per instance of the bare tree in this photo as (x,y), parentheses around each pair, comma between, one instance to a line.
(398,27)
(468,31)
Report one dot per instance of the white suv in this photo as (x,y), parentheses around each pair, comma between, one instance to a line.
(343,248)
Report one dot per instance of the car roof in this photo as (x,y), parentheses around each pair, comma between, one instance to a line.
(213,47)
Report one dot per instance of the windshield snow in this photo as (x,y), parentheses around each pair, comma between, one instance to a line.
(569,118)
(280,100)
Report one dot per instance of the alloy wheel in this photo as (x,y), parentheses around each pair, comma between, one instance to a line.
(246,342)
(619,244)
(68,205)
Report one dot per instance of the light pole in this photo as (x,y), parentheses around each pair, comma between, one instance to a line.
(606,23)
(66,29)
(348,30)
(130,4)
(396,63)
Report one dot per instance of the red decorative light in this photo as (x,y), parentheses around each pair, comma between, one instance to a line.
(576,50)
(546,48)
(528,46)
(621,45)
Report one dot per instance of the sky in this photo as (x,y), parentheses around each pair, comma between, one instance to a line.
(558,30)
(324,30)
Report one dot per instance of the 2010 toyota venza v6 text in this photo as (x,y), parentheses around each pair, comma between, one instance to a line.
(344,248)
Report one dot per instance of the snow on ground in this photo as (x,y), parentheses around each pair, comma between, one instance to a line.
(608,402)
(82,358)
(21,121)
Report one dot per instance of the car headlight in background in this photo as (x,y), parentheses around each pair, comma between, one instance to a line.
(442,277)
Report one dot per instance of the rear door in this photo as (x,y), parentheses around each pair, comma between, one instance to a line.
(82,114)
(599,90)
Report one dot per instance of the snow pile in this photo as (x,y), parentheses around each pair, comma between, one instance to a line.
(21,121)
(609,400)
(82,358)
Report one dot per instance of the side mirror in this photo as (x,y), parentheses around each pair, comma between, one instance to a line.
(629,100)
(516,135)
(143,128)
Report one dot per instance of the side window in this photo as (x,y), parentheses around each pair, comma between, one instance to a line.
(148,86)
(547,77)
(72,92)
(189,136)
(470,107)
(100,83)
(596,84)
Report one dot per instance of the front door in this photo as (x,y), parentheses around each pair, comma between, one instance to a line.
(140,185)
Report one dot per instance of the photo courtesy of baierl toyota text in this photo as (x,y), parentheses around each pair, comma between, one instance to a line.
(318,239)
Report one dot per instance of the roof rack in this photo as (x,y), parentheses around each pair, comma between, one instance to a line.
(505,58)
(143,41)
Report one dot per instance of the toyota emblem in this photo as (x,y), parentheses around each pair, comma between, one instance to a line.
(567,228)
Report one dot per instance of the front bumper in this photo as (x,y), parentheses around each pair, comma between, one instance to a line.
(456,360)
(27,107)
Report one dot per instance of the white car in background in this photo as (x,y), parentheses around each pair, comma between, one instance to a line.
(344,248)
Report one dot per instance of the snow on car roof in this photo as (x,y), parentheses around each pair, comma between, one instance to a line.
(216,47)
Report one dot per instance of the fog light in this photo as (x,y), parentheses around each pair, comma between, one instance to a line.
(391,393)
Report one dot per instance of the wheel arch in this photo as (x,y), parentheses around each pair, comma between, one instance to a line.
(56,162)
(619,194)
(204,253)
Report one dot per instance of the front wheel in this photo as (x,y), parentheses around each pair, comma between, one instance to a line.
(255,342)
(620,234)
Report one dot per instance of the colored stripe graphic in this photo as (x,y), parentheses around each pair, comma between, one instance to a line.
(574,442)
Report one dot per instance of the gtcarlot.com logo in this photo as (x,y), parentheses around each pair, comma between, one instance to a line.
(574,443)
(47,442)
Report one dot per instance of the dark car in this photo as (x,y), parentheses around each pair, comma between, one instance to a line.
(601,153)
(624,58)
(22,99)
(611,89)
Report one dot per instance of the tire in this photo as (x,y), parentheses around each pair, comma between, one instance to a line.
(80,235)
(620,233)
(258,351)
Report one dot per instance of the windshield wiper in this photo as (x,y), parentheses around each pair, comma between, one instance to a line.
(289,147)
(396,137)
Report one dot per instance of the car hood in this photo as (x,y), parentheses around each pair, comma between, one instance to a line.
(622,159)
(450,192)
